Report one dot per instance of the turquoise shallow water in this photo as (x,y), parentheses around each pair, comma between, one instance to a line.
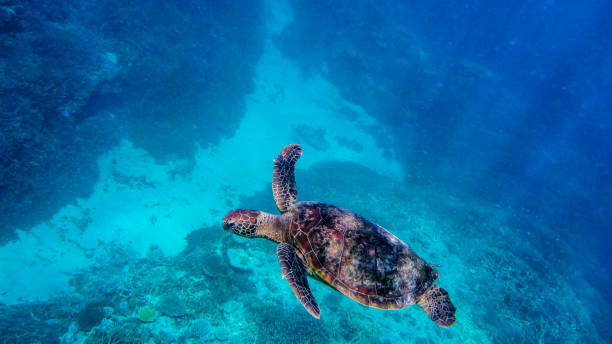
(477,133)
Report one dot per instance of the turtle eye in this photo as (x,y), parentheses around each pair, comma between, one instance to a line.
(229,223)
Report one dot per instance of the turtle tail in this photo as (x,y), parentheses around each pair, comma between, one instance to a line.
(437,304)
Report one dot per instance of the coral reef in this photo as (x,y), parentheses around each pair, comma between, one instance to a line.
(171,305)
(125,333)
(462,104)
(90,316)
(198,329)
(79,76)
(311,136)
(147,314)
(495,265)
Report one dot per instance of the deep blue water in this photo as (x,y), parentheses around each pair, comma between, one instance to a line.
(478,132)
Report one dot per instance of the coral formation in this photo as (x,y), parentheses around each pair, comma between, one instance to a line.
(90,316)
(480,252)
(171,305)
(147,314)
(198,329)
(78,76)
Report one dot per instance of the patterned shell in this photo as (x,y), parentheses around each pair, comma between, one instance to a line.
(359,258)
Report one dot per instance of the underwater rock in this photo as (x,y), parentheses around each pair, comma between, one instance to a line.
(239,260)
(232,307)
(206,237)
(352,144)
(311,136)
(213,265)
(240,241)
(222,334)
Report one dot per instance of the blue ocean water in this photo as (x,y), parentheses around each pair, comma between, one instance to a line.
(477,132)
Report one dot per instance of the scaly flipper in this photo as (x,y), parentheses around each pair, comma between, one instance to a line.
(436,303)
(283,178)
(295,272)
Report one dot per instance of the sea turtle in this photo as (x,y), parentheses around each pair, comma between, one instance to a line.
(358,258)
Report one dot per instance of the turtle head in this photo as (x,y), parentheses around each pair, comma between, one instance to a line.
(242,222)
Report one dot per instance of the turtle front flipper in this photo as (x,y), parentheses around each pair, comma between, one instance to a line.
(283,177)
(436,303)
(295,272)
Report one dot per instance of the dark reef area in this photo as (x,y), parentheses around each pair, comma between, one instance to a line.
(77,76)
(497,113)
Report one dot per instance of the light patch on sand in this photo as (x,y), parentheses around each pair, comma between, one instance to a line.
(138,203)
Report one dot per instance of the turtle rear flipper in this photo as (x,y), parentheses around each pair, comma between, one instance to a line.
(283,178)
(436,303)
(295,272)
